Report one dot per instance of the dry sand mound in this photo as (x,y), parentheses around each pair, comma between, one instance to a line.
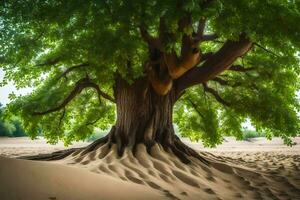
(36,180)
(100,174)
(165,173)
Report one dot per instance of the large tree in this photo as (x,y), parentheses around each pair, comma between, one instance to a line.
(209,63)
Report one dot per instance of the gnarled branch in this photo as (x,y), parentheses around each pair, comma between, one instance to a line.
(79,86)
(215,94)
(153,43)
(190,54)
(219,62)
(160,86)
(200,28)
(101,93)
(179,66)
(206,56)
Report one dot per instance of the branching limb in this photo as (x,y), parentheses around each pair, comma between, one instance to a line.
(206,56)
(190,53)
(200,28)
(153,43)
(70,69)
(101,93)
(79,86)
(199,36)
(179,66)
(195,107)
(160,86)
(219,62)
(215,94)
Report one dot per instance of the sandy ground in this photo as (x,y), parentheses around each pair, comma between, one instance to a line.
(254,169)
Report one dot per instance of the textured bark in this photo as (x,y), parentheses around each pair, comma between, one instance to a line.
(216,64)
(142,115)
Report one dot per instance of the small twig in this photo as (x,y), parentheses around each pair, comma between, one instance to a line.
(195,107)
(62,117)
(267,50)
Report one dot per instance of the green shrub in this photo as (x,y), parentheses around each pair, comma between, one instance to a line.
(248,134)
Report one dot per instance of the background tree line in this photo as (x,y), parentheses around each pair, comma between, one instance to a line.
(10,127)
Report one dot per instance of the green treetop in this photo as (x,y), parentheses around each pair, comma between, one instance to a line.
(72,51)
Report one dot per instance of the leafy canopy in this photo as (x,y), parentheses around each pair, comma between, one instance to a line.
(40,40)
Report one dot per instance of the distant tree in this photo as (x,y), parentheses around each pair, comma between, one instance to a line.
(11,128)
(209,63)
(19,130)
(6,129)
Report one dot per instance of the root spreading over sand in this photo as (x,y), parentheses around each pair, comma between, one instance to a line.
(102,174)
(165,173)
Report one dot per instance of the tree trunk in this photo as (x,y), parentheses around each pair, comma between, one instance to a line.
(143,116)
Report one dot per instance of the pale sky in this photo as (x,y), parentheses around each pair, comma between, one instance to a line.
(9,88)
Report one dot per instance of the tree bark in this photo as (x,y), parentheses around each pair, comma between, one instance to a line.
(143,116)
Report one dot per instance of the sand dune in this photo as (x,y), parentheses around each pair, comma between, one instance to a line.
(100,174)
(30,180)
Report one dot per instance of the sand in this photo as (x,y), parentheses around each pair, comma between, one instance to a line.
(21,179)
(256,169)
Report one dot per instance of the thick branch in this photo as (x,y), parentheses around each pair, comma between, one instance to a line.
(219,62)
(206,56)
(101,93)
(179,66)
(201,27)
(160,86)
(79,86)
(163,30)
(70,69)
(215,94)
(190,54)
(153,43)
(184,22)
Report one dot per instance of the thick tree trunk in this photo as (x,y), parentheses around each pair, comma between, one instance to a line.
(143,116)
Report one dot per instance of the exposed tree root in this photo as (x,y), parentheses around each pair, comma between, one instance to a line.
(52,156)
(173,144)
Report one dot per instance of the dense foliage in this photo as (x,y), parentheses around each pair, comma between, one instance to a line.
(40,40)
